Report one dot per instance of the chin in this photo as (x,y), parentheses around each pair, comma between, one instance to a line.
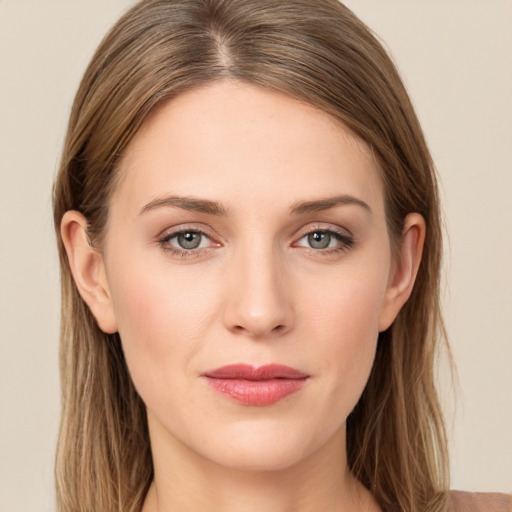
(256,459)
(264,448)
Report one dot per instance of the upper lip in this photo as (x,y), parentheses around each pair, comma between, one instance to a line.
(249,372)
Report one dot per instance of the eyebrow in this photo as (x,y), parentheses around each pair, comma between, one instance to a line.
(215,208)
(185,203)
(318,205)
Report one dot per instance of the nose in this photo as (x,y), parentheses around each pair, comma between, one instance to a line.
(258,295)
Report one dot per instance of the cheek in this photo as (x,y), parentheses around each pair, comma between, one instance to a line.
(347,303)
(161,318)
(344,320)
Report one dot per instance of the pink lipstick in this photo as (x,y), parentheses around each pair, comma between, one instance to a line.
(256,386)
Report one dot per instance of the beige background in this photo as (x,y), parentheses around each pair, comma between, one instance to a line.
(456,58)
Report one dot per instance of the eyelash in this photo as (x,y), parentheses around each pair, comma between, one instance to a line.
(345,240)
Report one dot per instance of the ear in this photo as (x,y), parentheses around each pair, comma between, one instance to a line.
(404,269)
(88,269)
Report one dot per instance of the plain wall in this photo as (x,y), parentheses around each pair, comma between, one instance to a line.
(456,59)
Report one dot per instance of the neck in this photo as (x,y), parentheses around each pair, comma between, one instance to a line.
(321,482)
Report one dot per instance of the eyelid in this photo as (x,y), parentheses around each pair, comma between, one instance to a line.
(320,226)
(180,228)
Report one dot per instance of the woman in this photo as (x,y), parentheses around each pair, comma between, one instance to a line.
(250,245)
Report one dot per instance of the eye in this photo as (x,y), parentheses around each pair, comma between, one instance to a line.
(186,242)
(325,240)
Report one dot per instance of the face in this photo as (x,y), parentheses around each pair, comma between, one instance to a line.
(249,270)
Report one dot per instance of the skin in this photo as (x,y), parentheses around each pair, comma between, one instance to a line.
(255,291)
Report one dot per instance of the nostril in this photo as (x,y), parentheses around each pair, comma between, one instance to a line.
(278,329)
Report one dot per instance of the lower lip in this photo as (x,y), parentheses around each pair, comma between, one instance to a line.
(256,392)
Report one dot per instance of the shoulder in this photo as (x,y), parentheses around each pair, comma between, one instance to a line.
(460,501)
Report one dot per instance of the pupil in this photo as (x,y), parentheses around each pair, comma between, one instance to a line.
(319,240)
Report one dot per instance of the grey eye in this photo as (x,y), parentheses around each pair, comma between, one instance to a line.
(189,239)
(319,240)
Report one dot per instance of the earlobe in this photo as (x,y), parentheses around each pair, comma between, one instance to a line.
(88,269)
(404,270)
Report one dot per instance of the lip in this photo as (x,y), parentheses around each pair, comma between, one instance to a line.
(257,386)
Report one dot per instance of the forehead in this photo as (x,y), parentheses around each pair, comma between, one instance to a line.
(233,142)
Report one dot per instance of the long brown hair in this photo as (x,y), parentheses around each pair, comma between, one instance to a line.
(315,51)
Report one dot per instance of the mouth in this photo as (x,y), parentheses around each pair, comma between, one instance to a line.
(257,386)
